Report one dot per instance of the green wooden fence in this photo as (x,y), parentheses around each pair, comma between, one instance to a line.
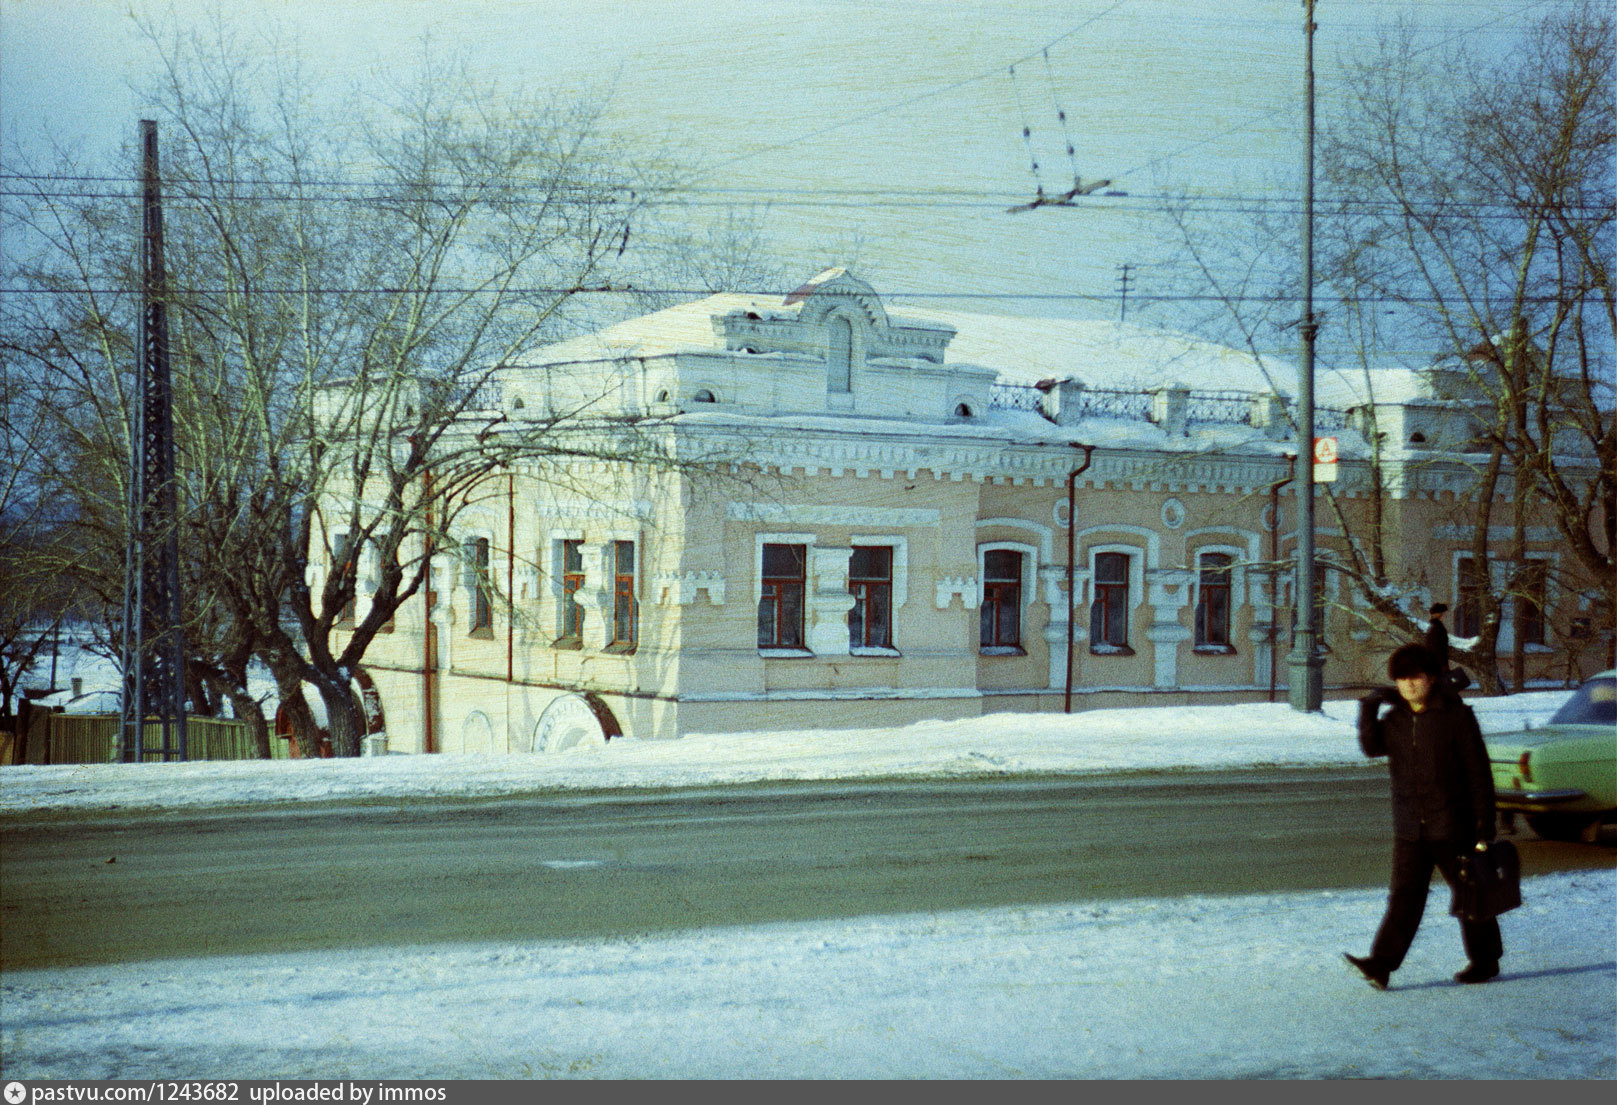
(92,739)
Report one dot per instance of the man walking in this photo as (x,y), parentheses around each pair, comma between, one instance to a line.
(1437,642)
(1437,636)
(1442,805)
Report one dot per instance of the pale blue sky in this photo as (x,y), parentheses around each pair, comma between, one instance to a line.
(794,104)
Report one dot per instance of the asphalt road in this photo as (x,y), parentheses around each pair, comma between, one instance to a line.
(569,866)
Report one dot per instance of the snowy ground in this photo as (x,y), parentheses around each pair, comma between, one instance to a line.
(1239,987)
(1246,986)
(1183,738)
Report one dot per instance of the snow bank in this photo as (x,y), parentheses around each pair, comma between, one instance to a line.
(1177,738)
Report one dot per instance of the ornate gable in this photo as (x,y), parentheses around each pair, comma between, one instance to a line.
(833,295)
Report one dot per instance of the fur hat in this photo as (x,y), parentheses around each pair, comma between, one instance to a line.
(1439,608)
(1412,660)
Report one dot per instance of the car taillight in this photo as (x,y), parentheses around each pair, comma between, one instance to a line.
(1524,768)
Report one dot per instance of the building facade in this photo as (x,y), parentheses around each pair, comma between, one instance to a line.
(922,514)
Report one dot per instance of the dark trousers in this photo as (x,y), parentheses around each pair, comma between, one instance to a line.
(1412,863)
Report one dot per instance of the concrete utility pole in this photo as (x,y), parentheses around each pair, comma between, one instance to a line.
(1306,665)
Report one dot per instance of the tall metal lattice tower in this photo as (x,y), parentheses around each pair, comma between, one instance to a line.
(154,644)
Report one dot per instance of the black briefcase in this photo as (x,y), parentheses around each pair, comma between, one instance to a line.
(1490,882)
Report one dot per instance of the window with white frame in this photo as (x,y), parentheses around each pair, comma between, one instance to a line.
(375,571)
(783,578)
(476,552)
(1532,593)
(1214,592)
(1001,611)
(870,580)
(1109,611)
(1471,585)
(625,610)
(570,568)
(345,569)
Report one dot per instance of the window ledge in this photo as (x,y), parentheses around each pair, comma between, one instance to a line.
(484,634)
(570,644)
(1110,650)
(621,648)
(1001,650)
(863,650)
(785,654)
(1215,650)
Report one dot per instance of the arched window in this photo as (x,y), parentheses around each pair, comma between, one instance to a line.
(839,357)
(963,410)
(1109,613)
(1002,599)
(703,396)
(1213,601)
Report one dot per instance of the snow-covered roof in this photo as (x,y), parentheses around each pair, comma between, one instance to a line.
(682,328)
(1025,350)
(1352,387)
(1021,349)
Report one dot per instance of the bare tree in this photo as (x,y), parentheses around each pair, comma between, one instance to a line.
(33,602)
(345,290)
(1469,212)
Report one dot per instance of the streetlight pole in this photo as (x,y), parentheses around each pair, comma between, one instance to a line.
(1306,665)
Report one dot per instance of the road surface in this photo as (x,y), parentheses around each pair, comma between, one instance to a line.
(563,866)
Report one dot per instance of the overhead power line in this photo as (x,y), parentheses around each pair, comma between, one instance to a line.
(846,199)
(911,100)
(179,293)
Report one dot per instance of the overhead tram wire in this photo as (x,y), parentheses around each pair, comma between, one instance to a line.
(911,100)
(1061,115)
(1210,201)
(1263,116)
(1042,51)
(1027,136)
(179,292)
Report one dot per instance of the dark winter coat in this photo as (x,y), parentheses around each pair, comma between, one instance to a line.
(1437,643)
(1442,788)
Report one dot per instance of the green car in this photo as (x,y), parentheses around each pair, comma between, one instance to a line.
(1563,777)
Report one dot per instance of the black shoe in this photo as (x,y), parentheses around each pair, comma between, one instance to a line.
(1477,972)
(1373,973)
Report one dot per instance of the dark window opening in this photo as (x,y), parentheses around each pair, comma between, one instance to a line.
(1213,602)
(870,579)
(1109,614)
(1472,588)
(1002,599)
(780,610)
(343,566)
(1530,600)
(625,611)
(482,594)
(572,581)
